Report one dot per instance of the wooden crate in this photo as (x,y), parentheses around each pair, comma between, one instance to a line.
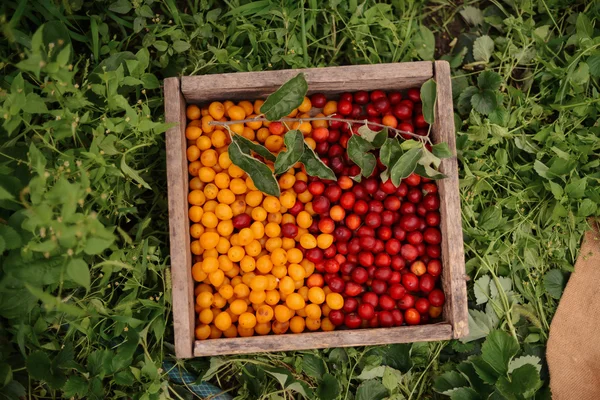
(331,80)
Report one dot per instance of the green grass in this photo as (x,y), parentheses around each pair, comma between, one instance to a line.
(85,305)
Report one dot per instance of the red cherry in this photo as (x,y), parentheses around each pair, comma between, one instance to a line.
(395,97)
(422,305)
(314,255)
(420,122)
(386,302)
(408,208)
(333,193)
(361,207)
(337,284)
(382,105)
(412,316)
(426,283)
(242,221)
(366,311)
(372,220)
(397,291)
(415,237)
(408,222)
(413,180)
(434,251)
(320,204)
(398,263)
(316,188)
(414,195)
(429,188)
(414,95)
(392,203)
(383,274)
(352,321)
(398,317)
(406,302)
(318,100)
(365,231)
(353,289)
(351,304)
(396,277)
(434,267)
(378,287)
(401,111)
(342,233)
(385,318)
(361,97)
(289,230)
(346,96)
(346,268)
(436,298)
(431,202)
(336,317)
(360,275)
(344,107)
(432,235)
(388,217)
(332,266)
(410,282)
(365,258)
(377,94)
(370,298)
(384,233)
(432,218)
(398,232)
(347,200)
(402,189)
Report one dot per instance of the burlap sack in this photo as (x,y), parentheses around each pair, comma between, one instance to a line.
(573,351)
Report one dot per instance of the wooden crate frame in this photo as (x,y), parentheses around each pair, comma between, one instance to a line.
(330,80)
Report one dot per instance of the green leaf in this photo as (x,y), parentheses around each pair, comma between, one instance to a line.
(480,325)
(585,28)
(12,239)
(523,382)
(448,381)
(359,152)
(593,63)
(441,150)
(483,48)
(576,188)
(180,46)
(2,245)
(294,143)
(37,160)
(391,378)
(489,80)
(371,390)
(314,166)
(519,362)
(484,102)
(78,271)
(490,218)
(484,370)
(464,99)
(95,245)
(133,174)
(247,146)
(39,365)
(465,393)
(405,165)
(121,6)
(481,287)
(424,42)
(75,386)
(370,372)
(313,366)
(261,175)
(329,388)
(34,104)
(161,45)
(5,194)
(428,98)
(375,138)
(554,283)
(150,81)
(472,15)
(498,349)
(390,152)
(288,97)
(587,207)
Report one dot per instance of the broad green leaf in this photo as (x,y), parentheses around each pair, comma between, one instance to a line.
(484,102)
(2,245)
(288,97)
(314,166)
(37,160)
(593,63)
(370,372)
(390,152)
(489,80)
(481,287)
(39,365)
(484,370)
(505,284)
(391,378)
(261,175)
(587,207)
(150,81)
(465,393)
(78,271)
(376,138)
(359,152)
(428,99)
(121,6)
(76,386)
(490,218)
(5,194)
(294,143)
(424,42)
(96,245)
(405,165)
(522,383)
(180,46)
(576,188)
(398,356)
(520,361)
(247,145)
(584,26)
(428,172)
(329,388)
(371,390)
(448,381)
(498,349)
(483,48)
(441,150)
(480,325)
(472,15)
(161,45)
(313,366)
(554,283)
(34,104)
(133,174)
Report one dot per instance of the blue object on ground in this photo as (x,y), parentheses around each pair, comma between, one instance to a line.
(203,389)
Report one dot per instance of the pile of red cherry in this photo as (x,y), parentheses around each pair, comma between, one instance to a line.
(385,259)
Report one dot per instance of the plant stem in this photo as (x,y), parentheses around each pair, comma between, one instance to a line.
(349,121)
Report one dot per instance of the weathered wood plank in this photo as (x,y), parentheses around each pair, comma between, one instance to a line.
(177,185)
(320,340)
(453,258)
(254,85)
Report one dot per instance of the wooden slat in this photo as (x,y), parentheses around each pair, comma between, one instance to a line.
(453,258)
(254,85)
(177,183)
(320,340)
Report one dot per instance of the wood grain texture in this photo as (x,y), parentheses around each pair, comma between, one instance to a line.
(181,256)
(320,340)
(453,258)
(254,85)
